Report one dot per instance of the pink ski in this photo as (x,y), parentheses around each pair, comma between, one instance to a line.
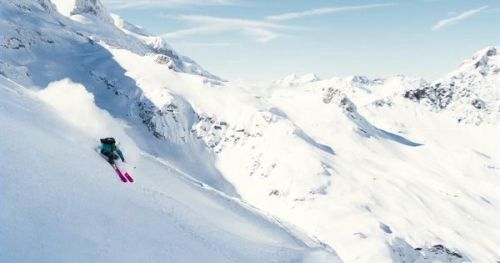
(129,178)
(122,177)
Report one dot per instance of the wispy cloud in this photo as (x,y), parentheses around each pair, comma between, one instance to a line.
(261,31)
(260,34)
(237,22)
(194,31)
(205,44)
(326,10)
(124,4)
(453,20)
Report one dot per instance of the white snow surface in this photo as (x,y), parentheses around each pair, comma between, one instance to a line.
(394,169)
(62,203)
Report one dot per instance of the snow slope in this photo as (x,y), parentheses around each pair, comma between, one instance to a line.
(401,172)
(359,162)
(62,203)
(78,48)
(392,169)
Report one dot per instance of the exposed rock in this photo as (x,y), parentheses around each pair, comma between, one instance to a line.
(14,43)
(401,251)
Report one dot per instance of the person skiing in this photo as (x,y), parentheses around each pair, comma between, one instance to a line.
(110,150)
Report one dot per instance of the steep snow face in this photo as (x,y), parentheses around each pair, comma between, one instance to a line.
(392,154)
(62,203)
(360,195)
(100,26)
(344,158)
(80,50)
(163,53)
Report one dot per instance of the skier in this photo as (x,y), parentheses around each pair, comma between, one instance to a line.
(110,150)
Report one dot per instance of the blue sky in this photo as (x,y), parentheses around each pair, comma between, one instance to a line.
(265,40)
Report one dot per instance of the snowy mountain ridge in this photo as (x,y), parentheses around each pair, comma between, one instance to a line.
(154,45)
(464,93)
(325,155)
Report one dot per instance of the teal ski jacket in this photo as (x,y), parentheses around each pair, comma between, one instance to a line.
(111,148)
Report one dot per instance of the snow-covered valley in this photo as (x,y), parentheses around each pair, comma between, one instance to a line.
(395,169)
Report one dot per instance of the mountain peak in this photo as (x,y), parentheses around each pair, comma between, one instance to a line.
(82,7)
(295,79)
(310,77)
(488,52)
(360,79)
(484,61)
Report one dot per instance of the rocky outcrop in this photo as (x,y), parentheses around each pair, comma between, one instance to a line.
(401,251)
(82,7)
(468,93)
